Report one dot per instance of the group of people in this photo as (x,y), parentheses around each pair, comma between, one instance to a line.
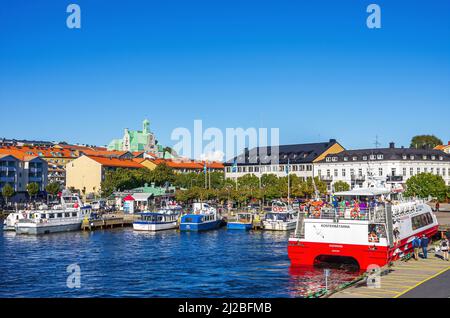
(422,243)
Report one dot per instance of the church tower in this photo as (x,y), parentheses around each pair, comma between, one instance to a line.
(146,126)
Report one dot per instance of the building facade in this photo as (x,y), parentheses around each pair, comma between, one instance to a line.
(297,159)
(86,173)
(395,165)
(19,170)
(136,140)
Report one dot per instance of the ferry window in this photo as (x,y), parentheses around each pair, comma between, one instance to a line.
(74,213)
(51,216)
(376,231)
(66,215)
(422,220)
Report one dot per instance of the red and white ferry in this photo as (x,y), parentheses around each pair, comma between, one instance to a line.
(374,230)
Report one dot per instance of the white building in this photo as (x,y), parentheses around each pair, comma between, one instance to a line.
(397,165)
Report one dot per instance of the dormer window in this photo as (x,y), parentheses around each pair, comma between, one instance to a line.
(405,157)
(424,157)
(334,159)
(372,157)
(364,157)
(433,157)
(441,158)
(380,157)
(411,157)
(345,158)
(355,158)
(328,159)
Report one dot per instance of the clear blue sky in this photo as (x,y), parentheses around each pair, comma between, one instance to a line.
(311,68)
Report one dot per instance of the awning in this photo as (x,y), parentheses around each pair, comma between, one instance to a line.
(129,198)
(141,197)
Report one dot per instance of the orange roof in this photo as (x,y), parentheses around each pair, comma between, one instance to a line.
(116,162)
(17,154)
(79,147)
(46,152)
(103,153)
(195,165)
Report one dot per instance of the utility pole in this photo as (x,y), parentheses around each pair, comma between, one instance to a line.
(289,181)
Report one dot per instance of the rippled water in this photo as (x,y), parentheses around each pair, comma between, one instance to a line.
(125,263)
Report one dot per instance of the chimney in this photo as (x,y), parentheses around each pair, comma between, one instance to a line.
(332,141)
(449,143)
(392,145)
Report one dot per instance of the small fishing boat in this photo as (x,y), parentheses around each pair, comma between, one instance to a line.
(163,219)
(203,218)
(281,218)
(242,221)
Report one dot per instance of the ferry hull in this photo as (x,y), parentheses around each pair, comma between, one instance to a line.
(38,229)
(239,226)
(154,227)
(197,227)
(307,253)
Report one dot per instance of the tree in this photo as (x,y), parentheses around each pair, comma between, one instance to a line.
(53,188)
(163,174)
(341,186)
(423,185)
(32,189)
(425,141)
(7,192)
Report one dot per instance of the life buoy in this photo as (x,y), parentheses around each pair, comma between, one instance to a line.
(316,212)
(354,213)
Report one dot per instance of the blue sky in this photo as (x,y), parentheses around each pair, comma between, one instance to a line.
(311,68)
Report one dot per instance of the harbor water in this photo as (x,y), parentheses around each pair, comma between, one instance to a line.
(125,263)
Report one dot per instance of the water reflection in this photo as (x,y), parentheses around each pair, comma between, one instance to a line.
(307,280)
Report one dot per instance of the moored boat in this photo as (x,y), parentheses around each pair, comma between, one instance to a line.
(372,230)
(163,219)
(66,217)
(281,218)
(203,218)
(242,221)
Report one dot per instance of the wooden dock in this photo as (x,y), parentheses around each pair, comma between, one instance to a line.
(399,279)
(108,221)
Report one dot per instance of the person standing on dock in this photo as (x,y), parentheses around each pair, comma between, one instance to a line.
(424,244)
(444,248)
(416,246)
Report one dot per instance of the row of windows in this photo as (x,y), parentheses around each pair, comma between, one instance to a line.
(279,168)
(381,157)
(393,172)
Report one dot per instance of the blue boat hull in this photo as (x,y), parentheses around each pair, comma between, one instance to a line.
(203,226)
(239,226)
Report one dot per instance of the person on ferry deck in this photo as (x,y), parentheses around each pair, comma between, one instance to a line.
(424,244)
(416,246)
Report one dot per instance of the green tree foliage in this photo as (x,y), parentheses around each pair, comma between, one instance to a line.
(53,188)
(425,142)
(339,186)
(7,192)
(32,189)
(162,174)
(423,185)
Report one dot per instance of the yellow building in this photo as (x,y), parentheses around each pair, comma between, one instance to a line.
(87,172)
